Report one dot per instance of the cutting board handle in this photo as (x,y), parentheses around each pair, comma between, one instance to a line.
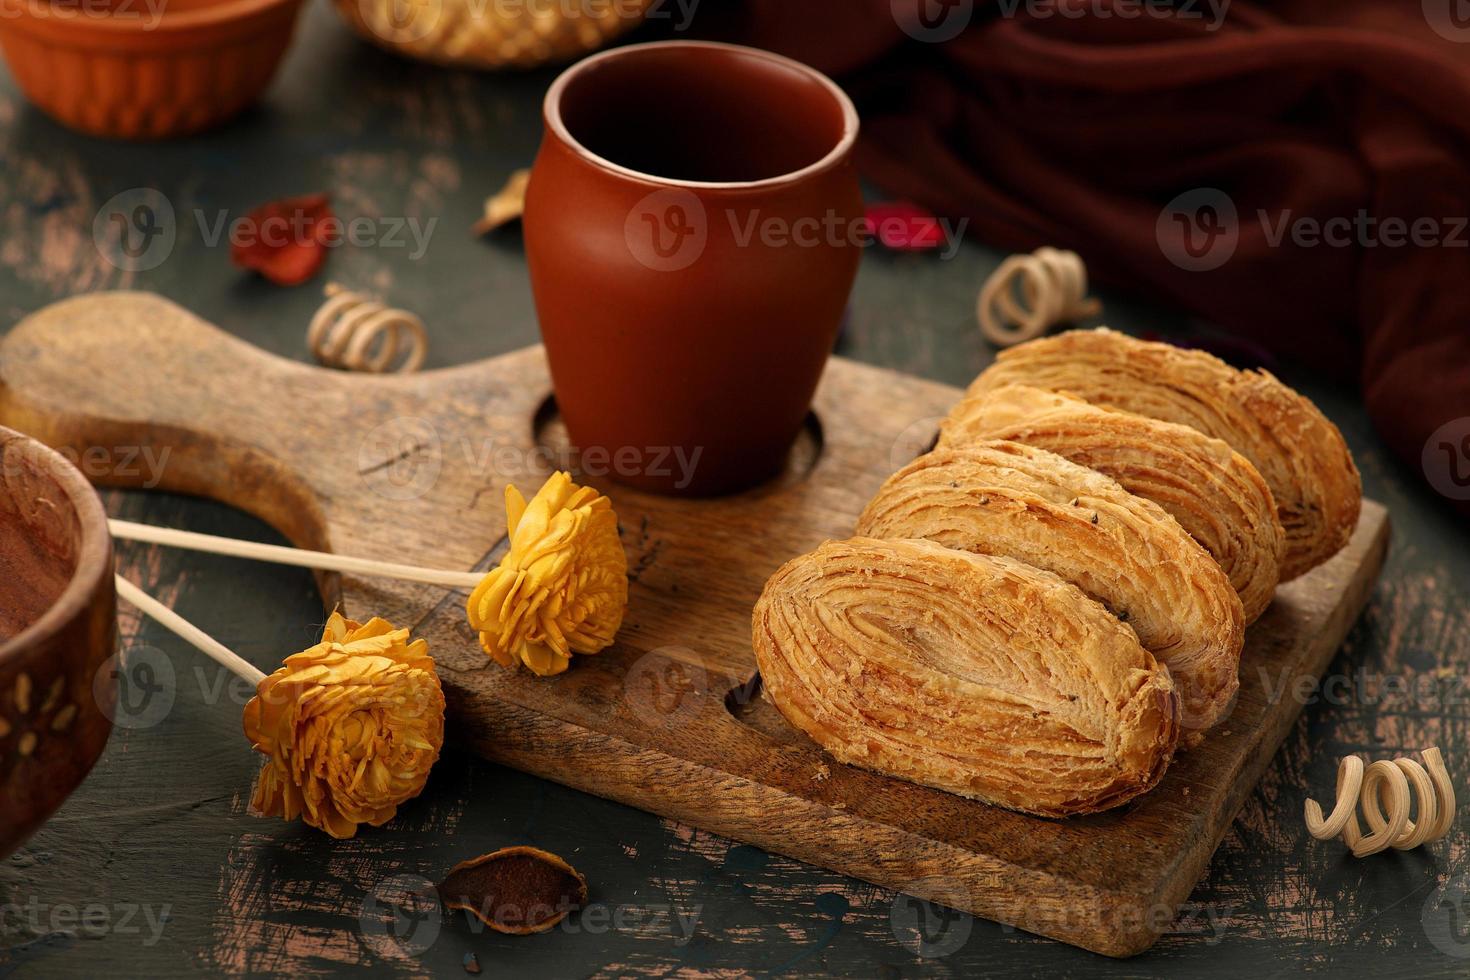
(140,393)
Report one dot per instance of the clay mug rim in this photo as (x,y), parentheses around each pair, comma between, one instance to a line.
(94,550)
(835,157)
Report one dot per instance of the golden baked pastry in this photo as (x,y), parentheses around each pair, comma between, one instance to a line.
(978,675)
(1017,501)
(1301,455)
(1212,491)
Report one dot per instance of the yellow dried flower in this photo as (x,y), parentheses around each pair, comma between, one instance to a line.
(563,586)
(351,727)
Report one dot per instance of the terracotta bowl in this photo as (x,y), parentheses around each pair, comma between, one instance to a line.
(58,625)
(144,69)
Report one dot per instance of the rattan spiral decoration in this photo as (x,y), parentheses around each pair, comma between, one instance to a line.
(1392,785)
(1053,290)
(355,332)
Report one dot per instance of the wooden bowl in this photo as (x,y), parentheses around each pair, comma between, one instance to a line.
(58,627)
(134,70)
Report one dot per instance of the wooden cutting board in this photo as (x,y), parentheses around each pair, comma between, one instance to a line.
(669,720)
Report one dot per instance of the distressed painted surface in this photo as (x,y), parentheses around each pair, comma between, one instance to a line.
(155,867)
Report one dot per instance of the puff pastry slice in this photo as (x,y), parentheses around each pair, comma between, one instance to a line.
(1017,501)
(1301,454)
(1214,493)
(978,675)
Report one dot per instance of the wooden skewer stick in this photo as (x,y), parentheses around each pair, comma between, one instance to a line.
(211,647)
(300,557)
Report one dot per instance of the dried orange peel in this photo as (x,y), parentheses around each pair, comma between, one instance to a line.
(350,727)
(562,588)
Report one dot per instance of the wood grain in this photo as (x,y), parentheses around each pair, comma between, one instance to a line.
(412,469)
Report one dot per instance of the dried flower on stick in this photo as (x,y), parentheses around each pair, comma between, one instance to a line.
(350,727)
(563,586)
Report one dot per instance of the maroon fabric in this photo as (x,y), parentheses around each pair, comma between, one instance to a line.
(1046,129)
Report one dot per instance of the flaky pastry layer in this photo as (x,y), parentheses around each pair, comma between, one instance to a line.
(1301,454)
(973,674)
(1214,493)
(1018,501)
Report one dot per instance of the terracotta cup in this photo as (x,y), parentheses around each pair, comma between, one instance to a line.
(693,226)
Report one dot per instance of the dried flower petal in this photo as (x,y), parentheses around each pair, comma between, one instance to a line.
(286,240)
(351,727)
(904,227)
(506,205)
(515,890)
(563,585)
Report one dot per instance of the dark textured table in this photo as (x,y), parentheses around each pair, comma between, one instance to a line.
(155,868)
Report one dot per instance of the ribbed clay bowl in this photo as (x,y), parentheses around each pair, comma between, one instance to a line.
(144,69)
(58,624)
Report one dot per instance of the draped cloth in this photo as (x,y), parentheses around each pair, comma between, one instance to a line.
(1297,175)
